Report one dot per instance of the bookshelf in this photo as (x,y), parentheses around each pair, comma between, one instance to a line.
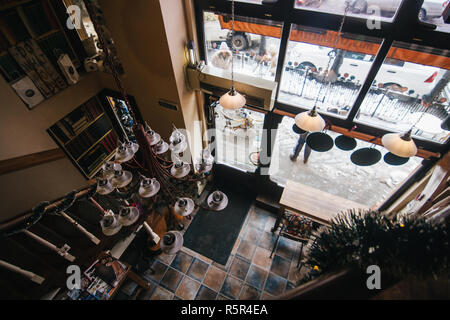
(87,135)
(39,25)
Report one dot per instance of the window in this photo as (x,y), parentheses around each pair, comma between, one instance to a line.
(333,172)
(255,45)
(412,94)
(431,12)
(306,81)
(385,10)
(238,137)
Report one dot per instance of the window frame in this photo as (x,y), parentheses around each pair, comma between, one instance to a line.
(405,27)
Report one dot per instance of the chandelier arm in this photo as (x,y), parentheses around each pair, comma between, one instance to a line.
(94,17)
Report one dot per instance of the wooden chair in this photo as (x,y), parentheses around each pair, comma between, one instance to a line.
(294,227)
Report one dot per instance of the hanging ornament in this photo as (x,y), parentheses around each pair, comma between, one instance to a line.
(232,99)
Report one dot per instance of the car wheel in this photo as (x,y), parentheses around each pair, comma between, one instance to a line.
(239,42)
(360,6)
(422,14)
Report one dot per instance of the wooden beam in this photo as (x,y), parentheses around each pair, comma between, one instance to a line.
(23,162)
(362,136)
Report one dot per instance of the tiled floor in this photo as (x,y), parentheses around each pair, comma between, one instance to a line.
(250,273)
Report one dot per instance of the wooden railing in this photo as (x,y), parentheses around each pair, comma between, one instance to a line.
(23,162)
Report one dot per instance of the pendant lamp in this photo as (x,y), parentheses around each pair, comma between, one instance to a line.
(104,186)
(128,216)
(217,200)
(149,187)
(184,207)
(232,99)
(310,121)
(401,145)
(110,225)
(297,130)
(171,242)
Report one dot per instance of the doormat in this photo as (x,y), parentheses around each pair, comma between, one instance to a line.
(213,234)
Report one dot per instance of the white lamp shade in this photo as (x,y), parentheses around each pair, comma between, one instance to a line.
(128,216)
(110,224)
(184,207)
(307,122)
(149,187)
(217,201)
(398,145)
(104,186)
(232,100)
(121,178)
(172,242)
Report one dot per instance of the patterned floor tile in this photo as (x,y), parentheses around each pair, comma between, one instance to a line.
(214,278)
(267,240)
(205,293)
(256,276)
(253,234)
(239,268)
(262,258)
(159,268)
(246,249)
(231,287)
(188,288)
(182,261)
(249,293)
(171,279)
(198,269)
(286,248)
(275,285)
(280,266)
(161,294)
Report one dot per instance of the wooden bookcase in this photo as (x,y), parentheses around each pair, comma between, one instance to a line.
(38,23)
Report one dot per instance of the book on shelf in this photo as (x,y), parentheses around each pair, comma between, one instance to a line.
(54,45)
(10,69)
(36,65)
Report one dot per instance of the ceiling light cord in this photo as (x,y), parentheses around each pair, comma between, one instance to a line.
(232,44)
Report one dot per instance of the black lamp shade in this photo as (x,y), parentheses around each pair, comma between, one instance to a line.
(320,141)
(297,130)
(394,160)
(345,143)
(366,157)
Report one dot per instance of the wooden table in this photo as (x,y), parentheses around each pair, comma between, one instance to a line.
(315,204)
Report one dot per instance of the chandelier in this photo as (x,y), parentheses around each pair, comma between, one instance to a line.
(142,171)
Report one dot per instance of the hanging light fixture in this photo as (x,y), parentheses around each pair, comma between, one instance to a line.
(110,224)
(399,144)
(121,178)
(217,201)
(108,169)
(172,242)
(178,142)
(232,99)
(149,187)
(104,186)
(204,162)
(310,121)
(128,216)
(184,207)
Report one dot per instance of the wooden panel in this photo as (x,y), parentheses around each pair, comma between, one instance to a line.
(314,203)
(30,160)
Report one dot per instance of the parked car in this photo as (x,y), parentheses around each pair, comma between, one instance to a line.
(412,76)
(430,8)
